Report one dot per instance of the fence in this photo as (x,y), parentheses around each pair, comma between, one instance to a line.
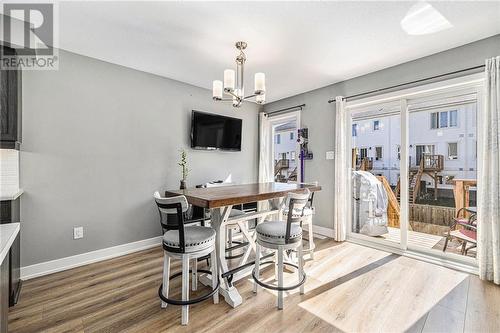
(438,215)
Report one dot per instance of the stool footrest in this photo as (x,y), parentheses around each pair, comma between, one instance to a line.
(238,245)
(203,258)
(229,274)
(191,301)
(272,287)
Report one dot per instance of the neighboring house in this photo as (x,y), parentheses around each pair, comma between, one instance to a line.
(449,131)
(285,145)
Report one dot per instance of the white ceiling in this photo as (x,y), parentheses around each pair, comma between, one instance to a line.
(300,46)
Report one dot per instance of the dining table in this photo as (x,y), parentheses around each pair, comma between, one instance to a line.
(220,202)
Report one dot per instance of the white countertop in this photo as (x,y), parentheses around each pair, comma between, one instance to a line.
(8,233)
(11,196)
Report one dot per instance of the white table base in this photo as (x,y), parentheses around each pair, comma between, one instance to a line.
(219,220)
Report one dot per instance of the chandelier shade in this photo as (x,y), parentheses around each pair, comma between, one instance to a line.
(260,83)
(217,89)
(229,78)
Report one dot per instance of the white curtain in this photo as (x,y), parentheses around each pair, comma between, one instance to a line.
(266,166)
(341,172)
(265,158)
(489,173)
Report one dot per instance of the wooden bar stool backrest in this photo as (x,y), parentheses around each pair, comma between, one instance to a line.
(311,196)
(295,202)
(171,212)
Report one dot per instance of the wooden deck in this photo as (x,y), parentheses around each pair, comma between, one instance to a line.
(350,288)
(426,241)
(420,239)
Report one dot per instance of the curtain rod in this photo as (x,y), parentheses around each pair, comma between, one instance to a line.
(411,82)
(286,109)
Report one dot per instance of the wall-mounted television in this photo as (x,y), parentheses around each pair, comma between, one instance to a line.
(213,131)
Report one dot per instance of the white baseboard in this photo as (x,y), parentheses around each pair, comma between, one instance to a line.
(62,264)
(323,231)
(57,265)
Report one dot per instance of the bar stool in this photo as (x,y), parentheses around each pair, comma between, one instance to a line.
(231,230)
(305,219)
(185,243)
(280,236)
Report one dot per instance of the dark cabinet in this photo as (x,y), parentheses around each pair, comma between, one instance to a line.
(9,213)
(10,137)
(10,104)
(4,289)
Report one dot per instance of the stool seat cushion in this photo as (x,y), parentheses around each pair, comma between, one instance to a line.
(274,232)
(196,238)
(236,212)
(298,212)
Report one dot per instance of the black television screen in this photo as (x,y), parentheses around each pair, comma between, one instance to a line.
(212,131)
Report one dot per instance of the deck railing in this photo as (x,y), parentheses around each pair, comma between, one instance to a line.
(366,164)
(461,192)
(280,165)
(432,162)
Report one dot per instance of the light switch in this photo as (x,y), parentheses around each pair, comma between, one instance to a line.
(330,155)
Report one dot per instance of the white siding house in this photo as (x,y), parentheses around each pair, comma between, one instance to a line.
(449,131)
(285,145)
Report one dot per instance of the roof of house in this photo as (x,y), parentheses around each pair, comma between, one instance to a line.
(284,127)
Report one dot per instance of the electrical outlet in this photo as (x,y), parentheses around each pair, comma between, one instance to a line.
(77,232)
(330,155)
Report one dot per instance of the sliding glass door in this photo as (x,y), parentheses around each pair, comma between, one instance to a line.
(443,143)
(414,169)
(375,161)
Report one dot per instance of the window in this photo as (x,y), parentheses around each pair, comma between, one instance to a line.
(363,153)
(398,148)
(376,125)
(278,139)
(434,120)
(291,135)
(293,155)
(354,129)
(452,150)
(453,118)
(444,119)
(378,153)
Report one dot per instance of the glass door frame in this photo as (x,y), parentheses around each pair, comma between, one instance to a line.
(275,121)
(360,238)
(474,83)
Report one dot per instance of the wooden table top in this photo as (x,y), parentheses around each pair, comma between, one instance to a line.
(214,197)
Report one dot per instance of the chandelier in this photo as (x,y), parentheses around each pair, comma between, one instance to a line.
(233,83)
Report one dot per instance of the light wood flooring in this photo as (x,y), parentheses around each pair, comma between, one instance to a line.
(350,288)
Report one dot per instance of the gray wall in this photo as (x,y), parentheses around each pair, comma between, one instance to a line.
(319,116)
(98,140)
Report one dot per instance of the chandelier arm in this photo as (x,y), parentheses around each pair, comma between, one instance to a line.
(234,95)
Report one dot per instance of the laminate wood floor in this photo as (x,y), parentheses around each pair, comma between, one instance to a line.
(350,288)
